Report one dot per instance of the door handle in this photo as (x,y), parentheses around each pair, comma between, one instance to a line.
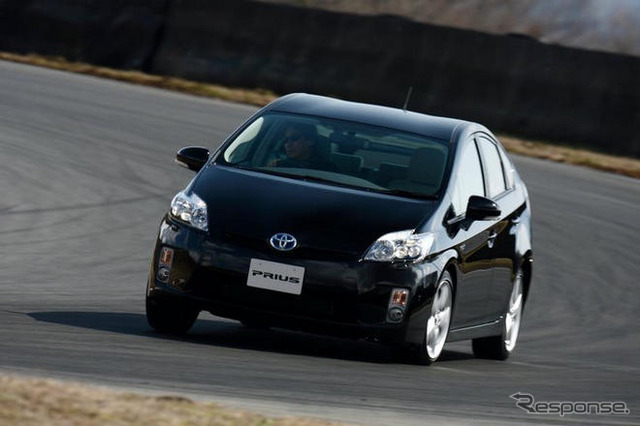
(491,240)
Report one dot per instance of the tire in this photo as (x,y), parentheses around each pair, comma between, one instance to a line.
(170,316)
(500,347)
(437,324)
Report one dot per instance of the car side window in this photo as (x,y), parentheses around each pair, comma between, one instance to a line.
(494,171)
(469,180)
(509,170)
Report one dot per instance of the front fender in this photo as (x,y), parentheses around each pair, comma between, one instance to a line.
(419,313)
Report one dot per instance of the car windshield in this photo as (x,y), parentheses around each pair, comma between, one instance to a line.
(340,153)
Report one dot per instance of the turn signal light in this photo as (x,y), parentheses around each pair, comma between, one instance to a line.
(399,297)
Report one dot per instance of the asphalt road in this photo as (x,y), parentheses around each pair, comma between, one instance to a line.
(86,171)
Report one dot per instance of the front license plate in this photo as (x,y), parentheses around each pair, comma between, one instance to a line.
(275,276)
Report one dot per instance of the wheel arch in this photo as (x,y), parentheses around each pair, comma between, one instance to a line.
(452,268)
(526,265)
(449,263)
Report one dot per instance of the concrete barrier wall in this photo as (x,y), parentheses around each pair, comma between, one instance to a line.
(115,33)
(510,84)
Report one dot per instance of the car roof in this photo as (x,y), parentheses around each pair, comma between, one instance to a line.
(394,118)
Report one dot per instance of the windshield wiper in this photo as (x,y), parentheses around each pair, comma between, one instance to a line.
(311,178)
(307,178)
(237,166)
(293,175)
(319,179)
(272,172)
(410,194)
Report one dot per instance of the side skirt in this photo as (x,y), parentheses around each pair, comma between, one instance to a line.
(481,330)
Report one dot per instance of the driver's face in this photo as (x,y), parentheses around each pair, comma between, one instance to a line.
(296,145)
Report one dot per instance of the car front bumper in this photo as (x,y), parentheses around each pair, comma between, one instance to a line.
(341,295)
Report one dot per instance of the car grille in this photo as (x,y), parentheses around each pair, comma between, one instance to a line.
(301,252)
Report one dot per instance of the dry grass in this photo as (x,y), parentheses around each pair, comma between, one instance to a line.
(40,402)
(581,157)
(621,165)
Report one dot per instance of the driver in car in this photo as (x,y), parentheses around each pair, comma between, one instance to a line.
(301,149)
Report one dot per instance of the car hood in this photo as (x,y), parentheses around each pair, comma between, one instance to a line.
(254,206)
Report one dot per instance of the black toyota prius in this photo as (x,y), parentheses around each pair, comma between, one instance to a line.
(350,219)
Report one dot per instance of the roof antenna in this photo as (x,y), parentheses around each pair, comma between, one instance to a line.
(406,102)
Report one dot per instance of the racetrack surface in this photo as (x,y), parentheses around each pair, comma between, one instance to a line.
(86,172)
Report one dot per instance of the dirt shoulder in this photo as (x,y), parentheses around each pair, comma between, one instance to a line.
(258,97)
(32,401)
(580,157)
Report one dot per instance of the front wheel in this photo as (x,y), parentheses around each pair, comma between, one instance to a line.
(500,347)
(169,316)
(438,322)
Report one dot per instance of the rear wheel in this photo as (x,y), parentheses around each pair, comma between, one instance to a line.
(438,322)
(169,316)
(500,347)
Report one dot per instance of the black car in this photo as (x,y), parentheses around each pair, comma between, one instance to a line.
(350,219)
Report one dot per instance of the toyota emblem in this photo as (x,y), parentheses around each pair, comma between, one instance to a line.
(283,242)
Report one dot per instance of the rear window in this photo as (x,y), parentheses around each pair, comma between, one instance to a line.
(341,153)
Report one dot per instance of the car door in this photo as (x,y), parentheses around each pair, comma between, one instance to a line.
(471,240)
(502,240)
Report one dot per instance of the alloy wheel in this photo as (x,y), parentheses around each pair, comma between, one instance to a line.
(438,323)
(514,315)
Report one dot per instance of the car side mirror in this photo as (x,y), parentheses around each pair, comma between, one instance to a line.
(192,157)
(481,208)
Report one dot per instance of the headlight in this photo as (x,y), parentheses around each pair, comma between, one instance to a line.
(190,209)
(400,246)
